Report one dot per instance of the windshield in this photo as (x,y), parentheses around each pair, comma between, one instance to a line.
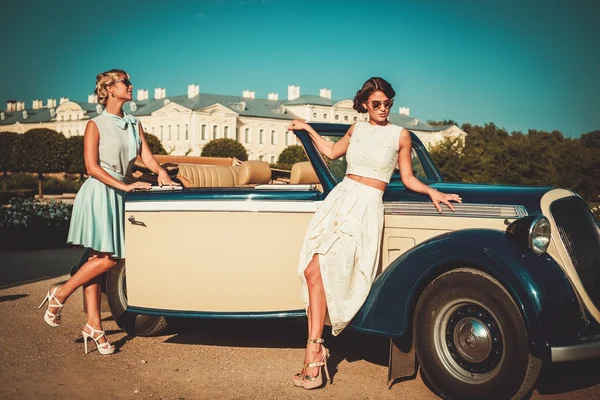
(338,166)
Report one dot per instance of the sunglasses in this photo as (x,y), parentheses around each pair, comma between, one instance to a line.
(377,103)
(125,81)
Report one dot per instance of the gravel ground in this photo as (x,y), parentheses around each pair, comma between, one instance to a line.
(197,359)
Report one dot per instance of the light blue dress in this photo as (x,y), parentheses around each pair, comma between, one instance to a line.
(97,221)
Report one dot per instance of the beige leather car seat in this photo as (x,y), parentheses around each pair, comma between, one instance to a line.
(247,173)
(303,173)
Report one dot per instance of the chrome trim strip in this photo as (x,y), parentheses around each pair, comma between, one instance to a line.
(391,208)
(501,211)
(228,205)
(583,351)
(290,187)
(218,315)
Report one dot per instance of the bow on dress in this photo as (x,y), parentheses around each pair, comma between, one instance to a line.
(131,123)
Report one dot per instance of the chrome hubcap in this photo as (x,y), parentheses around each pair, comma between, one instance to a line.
(472,339)
(469,340)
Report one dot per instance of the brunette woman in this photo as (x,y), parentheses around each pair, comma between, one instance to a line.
(339,256)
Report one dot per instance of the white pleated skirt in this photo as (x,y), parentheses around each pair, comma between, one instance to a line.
(345,232)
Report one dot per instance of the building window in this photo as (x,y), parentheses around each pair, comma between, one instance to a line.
(162,130)
(261,158)
(169,132)
(261,136)
(314,115)
(272,159)
(273,137)
(287,138)
(345,118)
(186,131)
(203,132)
(325,116)
(226,131)
(355,119)
(247,135)
(214,132)
(337,117)
(178,135)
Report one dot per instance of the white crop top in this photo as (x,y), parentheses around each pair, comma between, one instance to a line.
(373,151)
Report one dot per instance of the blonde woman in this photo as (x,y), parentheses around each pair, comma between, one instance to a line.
(112,141)
(339,256)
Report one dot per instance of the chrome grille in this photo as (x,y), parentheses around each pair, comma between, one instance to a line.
(461,210)
(581,237)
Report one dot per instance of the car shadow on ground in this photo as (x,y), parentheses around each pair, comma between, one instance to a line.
(567,377)
(350,346)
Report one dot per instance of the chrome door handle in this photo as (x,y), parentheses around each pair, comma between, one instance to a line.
(134,222)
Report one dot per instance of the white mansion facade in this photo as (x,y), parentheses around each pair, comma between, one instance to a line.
(185,123)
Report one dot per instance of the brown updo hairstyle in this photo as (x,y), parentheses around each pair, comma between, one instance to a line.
(104,80)
(370,86)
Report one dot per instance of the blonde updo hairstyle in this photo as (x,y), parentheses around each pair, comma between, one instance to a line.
(104,80)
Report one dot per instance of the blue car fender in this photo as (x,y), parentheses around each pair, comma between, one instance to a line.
(537,284)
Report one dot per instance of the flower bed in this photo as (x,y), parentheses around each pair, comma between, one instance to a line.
(30,224)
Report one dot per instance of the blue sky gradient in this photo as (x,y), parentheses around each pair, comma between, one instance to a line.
(520,64)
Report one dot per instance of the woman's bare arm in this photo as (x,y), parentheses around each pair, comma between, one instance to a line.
(329,150)
(412,182)
(153,165)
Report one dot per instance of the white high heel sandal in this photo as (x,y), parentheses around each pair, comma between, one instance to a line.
(49,316)
(103,348)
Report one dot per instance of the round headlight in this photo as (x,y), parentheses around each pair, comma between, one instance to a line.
(539,235)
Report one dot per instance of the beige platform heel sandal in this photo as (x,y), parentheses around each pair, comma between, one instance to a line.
(299,377)
(312,382)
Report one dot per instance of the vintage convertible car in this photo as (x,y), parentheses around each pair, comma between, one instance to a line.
(479,297)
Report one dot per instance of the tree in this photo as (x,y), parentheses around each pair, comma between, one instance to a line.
(154,143)
(447,156)
(589,157)
(290,156)
(74,161)
(40,151)
(7,143)
(591,139)
(441,123)
(225,148)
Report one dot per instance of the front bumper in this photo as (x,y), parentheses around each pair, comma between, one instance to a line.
(583,351)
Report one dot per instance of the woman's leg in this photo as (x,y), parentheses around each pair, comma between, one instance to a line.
(91,291)
(317,310)
(97,264)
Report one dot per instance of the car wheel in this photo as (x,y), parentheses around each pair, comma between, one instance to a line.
(132,323)
(471,341)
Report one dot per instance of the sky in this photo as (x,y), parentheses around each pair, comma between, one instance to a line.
(521,64)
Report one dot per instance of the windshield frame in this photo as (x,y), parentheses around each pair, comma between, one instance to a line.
(328,180)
